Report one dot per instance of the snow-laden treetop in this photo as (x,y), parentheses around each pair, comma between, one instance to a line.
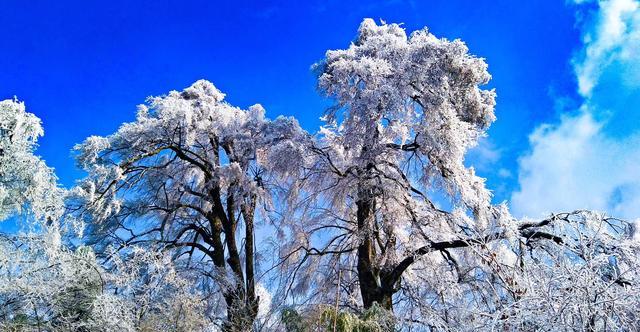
(396,93)
(25,180)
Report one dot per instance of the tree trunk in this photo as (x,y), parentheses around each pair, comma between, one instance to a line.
(248,213)
(242,306)
(372,287)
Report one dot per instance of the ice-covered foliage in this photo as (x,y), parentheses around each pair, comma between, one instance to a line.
(27,184)
(188,176)
(44,286)
(388,205)
(389,156)
(147,291)
(376,222)
(584,277)
(573,271)
(410,101)
(45,283)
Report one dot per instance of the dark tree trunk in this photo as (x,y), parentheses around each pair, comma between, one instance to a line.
(248,212)
(241,301)
(373,285)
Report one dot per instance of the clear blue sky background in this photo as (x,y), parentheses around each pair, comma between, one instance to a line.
(83,66)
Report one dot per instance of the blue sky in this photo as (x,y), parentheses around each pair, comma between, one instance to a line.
(83,66)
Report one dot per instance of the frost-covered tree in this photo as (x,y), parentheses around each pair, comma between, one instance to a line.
(388,212)
(43,284)
(191,175)
(582,277)
(46,284)
(147,293)
(407,109)
(26,183)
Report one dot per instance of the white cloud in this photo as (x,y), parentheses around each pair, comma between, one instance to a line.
(614,37)
(587,160)
(575,165)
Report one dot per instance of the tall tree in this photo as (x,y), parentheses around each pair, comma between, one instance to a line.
(406,111)
(391,213)
(190,174)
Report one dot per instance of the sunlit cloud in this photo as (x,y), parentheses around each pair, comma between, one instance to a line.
(590,158)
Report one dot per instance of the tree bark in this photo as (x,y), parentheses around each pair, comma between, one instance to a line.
(242,305)
(373,288)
